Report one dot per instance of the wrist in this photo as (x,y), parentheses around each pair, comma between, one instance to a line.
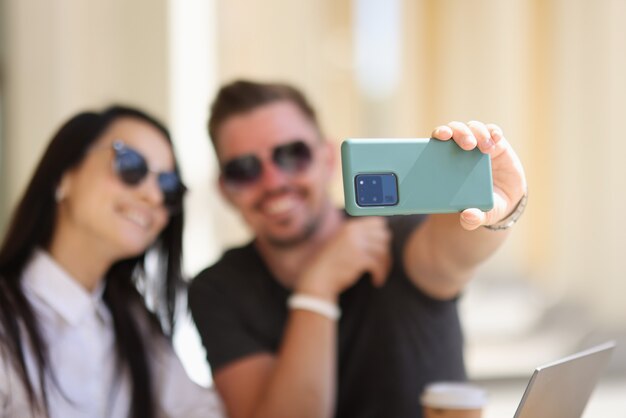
(317,290)
(317,305)
(510,220)
(310,284)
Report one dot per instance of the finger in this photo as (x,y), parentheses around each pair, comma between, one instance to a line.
(368,223)
(497,136)
(382,235)
(495,132)
(463,135)
(367,250)
(374,256)
(442,132)
(376,229)
(379,268)
(357,230)
(375,221)
(377,248)
(377,272)
(472,218)
(482,135)
(372,239)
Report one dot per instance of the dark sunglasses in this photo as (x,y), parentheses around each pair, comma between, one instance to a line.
(132,169)
(292,158)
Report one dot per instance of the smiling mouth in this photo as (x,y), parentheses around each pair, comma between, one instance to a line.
(137,218)
(281,205)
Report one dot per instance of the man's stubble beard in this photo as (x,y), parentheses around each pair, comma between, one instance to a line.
(313,225)
(308,232)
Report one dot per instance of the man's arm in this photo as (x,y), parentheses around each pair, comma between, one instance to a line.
(300,380)
(441,256)
(177,396)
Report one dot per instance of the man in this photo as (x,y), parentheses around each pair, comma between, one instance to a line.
(268,312)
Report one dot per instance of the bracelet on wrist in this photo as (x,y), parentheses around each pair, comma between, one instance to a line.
(314,304)
(513,217)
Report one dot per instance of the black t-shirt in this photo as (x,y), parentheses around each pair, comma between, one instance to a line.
(392,340)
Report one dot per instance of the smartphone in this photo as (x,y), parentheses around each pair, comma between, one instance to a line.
(413,175)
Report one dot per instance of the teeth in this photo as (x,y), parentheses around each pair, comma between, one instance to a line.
(137,218)
(282,204)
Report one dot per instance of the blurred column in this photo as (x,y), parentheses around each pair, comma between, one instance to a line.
(591,175)
(193,68)
(378,61)
(469,61)
(66,55)
(542,149)
(615,156)
(552,75)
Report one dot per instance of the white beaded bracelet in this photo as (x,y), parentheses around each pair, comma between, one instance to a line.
(314,304)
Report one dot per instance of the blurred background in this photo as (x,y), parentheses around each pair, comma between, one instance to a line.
(551,73)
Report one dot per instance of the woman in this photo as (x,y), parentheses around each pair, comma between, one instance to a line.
(96,236)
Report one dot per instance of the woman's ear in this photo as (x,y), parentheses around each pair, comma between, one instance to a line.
(62,189)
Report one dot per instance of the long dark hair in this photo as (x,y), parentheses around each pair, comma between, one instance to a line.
(32,226)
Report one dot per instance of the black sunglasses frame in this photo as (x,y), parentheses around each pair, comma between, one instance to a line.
(291,158)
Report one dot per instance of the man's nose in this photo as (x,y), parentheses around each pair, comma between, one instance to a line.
(272,176)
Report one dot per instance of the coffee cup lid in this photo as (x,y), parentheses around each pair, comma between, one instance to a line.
(453,395)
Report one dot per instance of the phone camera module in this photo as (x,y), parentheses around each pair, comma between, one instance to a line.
(376,189)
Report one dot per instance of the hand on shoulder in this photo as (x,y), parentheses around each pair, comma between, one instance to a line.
(360,246)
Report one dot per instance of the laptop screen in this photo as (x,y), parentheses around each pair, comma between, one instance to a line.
(562,389)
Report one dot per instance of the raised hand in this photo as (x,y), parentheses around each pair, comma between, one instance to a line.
(509,180)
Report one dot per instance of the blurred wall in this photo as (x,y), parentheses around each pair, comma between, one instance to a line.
(62,56)
(551,73)
(589,177)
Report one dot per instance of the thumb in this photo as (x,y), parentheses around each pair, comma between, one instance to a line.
(472,219)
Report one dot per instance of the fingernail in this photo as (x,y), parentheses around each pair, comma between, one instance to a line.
(489,143)
(470,217)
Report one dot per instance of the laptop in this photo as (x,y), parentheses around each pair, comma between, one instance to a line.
(562,389)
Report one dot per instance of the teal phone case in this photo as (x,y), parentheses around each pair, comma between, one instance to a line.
(432,176)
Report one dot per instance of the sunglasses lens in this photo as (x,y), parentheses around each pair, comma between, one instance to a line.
(130,166)
(242,170)
(293,157)
(173,190)
(132,169)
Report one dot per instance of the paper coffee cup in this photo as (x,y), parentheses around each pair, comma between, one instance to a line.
(453,400)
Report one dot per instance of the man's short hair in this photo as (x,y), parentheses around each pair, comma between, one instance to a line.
(243,96)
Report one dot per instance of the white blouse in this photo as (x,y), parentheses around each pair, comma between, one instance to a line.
(78,330)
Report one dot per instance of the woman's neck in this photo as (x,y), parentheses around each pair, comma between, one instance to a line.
(86,262)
